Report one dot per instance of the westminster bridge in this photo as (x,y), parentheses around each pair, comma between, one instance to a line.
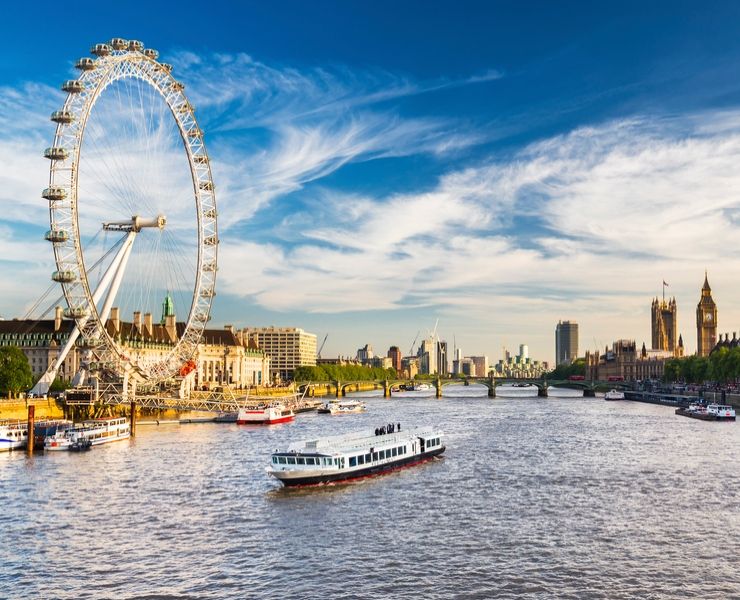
(389,386)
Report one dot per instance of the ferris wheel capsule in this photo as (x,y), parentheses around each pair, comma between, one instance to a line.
(119,44)
(100,50)
(62,116)
(73,86)
(135,46)
(85,64)
(151,53)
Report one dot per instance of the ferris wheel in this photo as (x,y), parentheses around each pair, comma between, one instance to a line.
(133,215)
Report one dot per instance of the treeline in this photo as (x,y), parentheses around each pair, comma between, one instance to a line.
(722,365)
(563,371)
(342,373)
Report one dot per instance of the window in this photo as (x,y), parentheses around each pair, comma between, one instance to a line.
(368,457)
(352,461)
(310,461)
(361,459)
(281,460)
(274,460)
(291,460)
(301,460)
(394,452)
(375,456)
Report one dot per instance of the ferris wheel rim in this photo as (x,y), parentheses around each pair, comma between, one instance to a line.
(126,60)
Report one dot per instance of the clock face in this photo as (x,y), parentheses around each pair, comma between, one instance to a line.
(708,318)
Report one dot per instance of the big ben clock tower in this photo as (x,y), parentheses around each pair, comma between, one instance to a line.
(706,321)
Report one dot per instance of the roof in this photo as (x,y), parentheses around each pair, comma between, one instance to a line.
(26,326)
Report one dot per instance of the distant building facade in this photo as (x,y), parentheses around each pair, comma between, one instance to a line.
(706,321)
(365,353)
(664,325)
(287,347)
(624,361)
(566,342)
(519,366)
(394,353)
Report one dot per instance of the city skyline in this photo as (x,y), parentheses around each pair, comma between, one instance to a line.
(489,172)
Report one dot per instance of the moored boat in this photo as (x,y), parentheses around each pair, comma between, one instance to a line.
(264,414)
(97,431)
(13,435)
(517,390)
(614,395)
(341,407)
(354,456)
(710,412)
(47,428)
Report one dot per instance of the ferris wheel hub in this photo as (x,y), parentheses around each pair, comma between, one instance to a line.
(136,224)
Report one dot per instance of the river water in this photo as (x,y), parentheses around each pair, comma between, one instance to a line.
(534,498)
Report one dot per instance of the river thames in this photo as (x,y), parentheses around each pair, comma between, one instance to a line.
(533,498)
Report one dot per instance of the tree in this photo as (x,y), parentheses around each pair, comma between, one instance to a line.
(15,372)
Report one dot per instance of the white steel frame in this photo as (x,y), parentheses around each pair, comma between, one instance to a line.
(63,212)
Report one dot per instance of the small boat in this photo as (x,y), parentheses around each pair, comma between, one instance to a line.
(13,435)
(354,456)
(97,431)
(341,407)
(614,395)
(517,390)
(264,414)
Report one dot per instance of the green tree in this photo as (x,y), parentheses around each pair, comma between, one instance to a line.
(15,372)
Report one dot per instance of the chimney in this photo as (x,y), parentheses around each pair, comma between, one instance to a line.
(115,320)
(137,322)
(57,318)
(229,328)
(170,327)
(148,328)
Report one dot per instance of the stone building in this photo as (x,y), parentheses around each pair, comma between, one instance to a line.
(664,322)
(287,347)
(624,361)
(706,321)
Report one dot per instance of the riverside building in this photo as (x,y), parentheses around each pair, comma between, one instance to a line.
(566,342)
(287,347)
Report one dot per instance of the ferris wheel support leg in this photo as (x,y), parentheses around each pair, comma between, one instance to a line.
(120,268)
(116,267)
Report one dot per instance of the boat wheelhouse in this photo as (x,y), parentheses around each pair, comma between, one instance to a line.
(90,433)
(13,435)
(354,456)
(264,414)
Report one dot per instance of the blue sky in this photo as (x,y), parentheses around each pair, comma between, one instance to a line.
(498,166)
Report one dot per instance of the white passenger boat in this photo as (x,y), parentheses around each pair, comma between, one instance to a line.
(264,414)
(90,433)
(721,412)
(614,395)
(517,390)
(341,407)
(353,456)
(13,435)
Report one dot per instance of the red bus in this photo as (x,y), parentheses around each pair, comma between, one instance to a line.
(576,377)
(615,378)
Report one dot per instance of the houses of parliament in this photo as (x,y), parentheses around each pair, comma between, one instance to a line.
(624,360)
(665,324)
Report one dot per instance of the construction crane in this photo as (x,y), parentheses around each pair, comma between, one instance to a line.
(318,354)
(411,352)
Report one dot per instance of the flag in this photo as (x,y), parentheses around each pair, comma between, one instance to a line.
(664,283)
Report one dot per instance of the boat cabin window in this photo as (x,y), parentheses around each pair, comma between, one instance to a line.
(301,460)
(368,457)
(281,460)
(291,460)
(375,456)
(361,459)
(274,460)
(394,452)
(382,455)
(352,461)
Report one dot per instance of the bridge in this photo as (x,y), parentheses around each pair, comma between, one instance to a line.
(388,385)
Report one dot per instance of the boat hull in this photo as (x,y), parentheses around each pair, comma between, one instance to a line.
(372,471)
(268,421)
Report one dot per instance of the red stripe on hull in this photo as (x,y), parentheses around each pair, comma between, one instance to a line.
(267,421)
(359,477)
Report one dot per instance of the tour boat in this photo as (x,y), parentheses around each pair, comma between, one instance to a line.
(517,390)
(340,407)
(711,412)
(48,427)
(90,433)
(614,395)
(354,456)
(13,435)
(264,414)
